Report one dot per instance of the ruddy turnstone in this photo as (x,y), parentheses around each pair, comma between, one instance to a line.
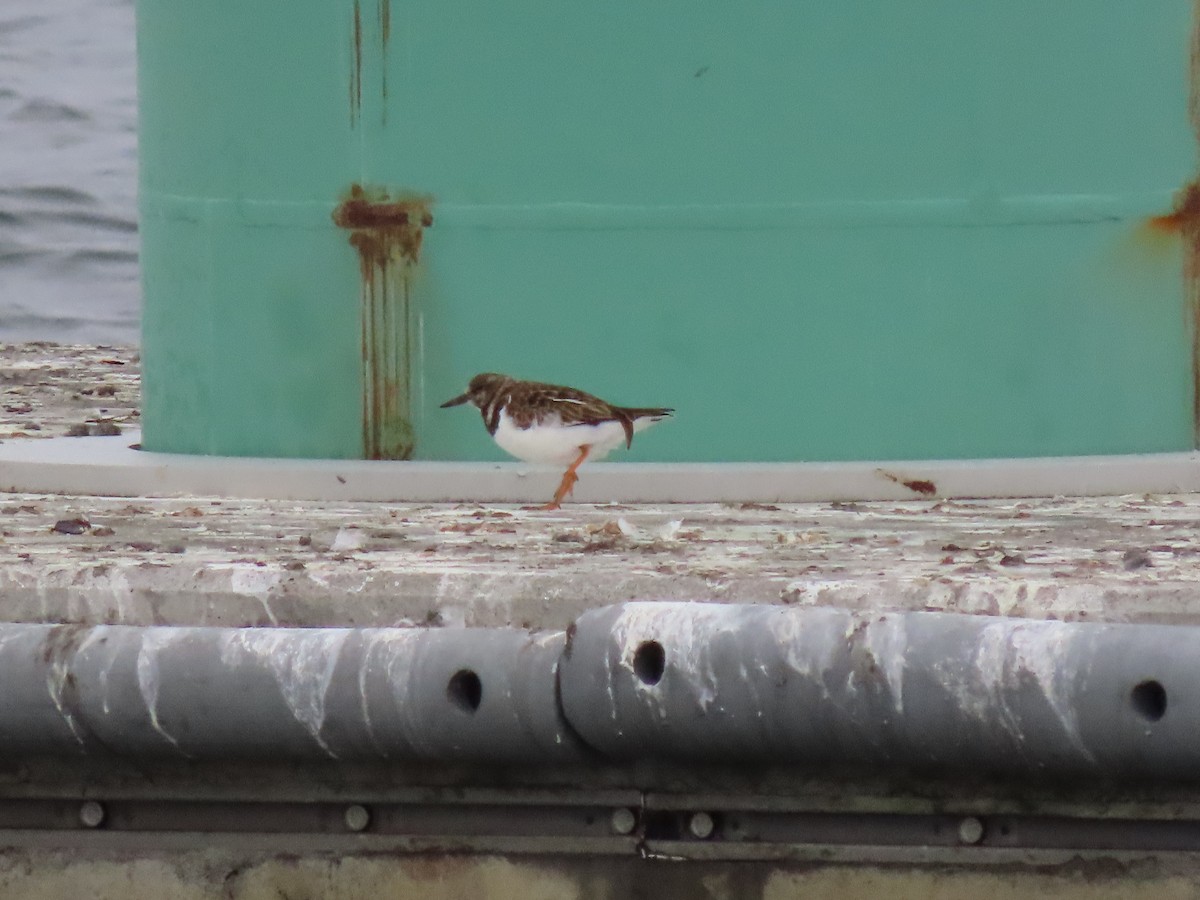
(548,423)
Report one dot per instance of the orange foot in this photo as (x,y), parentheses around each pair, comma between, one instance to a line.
(568,481)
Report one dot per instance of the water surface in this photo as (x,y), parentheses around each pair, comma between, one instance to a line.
(68,171)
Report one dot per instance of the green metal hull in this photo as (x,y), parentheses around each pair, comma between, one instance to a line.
(819,231)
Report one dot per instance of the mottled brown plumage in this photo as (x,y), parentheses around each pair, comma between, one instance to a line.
(532,402)
(541,422)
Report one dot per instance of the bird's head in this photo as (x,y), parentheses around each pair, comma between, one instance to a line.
(482,388)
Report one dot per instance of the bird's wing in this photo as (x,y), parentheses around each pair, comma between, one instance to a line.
(534,402)
(570,406)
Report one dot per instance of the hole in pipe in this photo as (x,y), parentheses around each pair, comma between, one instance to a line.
(465,690)
(649,662)
(1149,700)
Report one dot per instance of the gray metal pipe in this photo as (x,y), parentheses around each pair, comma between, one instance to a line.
(811,685)
(390,693)
(731,683)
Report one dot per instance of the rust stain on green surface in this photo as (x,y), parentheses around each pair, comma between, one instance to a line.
(356,50)
(1184,214)
(361,40)
(1184,221)
(387,232)
(385,35)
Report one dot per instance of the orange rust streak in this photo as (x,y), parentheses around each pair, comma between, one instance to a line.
(1185,212)
(405,367)
(387,235)
(1184,220)
(1171,223)
(1194,72)
(377,337)
(364,266)
(365,214)
(356,75)
(399,223)
(385,32)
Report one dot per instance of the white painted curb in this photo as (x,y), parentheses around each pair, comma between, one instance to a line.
(106,466)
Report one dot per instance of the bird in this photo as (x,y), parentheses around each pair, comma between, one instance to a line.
(554,424)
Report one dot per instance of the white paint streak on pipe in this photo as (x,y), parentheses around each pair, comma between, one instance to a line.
(302,662)
(154,641)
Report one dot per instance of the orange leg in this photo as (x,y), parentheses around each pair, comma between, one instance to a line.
(568,480)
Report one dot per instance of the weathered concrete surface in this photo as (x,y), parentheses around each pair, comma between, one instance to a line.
(200,875)
(203,875)
(868,883)
(51,390)
(201,561)
(206,561)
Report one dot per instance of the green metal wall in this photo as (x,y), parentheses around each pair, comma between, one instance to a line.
(864,229)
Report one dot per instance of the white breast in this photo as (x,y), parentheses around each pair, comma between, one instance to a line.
(554,443)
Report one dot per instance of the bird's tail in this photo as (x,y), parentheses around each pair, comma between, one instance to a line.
(646,412)
(635,418)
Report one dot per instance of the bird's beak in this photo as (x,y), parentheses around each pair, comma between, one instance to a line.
(457,401)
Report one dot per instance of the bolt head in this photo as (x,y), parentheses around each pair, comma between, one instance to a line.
(91,814)
(357,817)
(623,821)
(970,830)
(701,825)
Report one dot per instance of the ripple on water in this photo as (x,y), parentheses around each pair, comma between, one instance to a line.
(68,162)
(15,253)
(102,255)
(55,193)
(41,110)
(20,23)
(90,220)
